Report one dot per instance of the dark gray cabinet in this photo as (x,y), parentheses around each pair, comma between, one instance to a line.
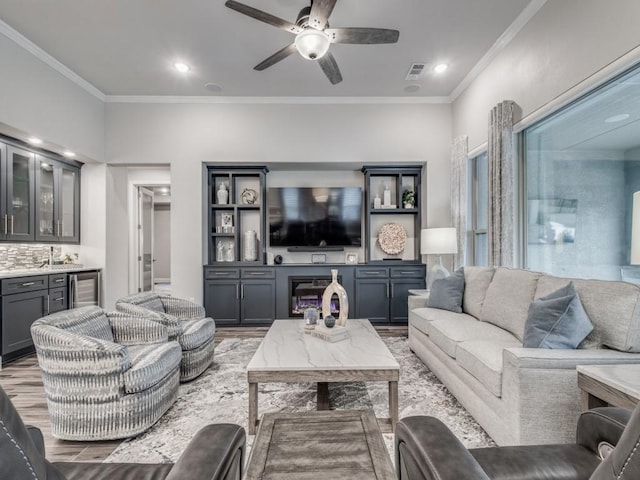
(381,292)
(236,205)
(16,194)
(39,195)
(258,295)
(24,300)
(235,296)
(401,187)
(57,201)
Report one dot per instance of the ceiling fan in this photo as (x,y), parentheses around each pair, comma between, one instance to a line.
(313,35)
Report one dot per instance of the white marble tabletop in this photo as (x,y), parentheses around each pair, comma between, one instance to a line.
(624,378)
(287,347)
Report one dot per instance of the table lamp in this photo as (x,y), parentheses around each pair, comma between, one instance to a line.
(438,241)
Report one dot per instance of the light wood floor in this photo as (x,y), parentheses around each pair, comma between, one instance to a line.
(23,383)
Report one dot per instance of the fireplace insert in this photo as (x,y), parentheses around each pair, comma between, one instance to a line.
(306,292)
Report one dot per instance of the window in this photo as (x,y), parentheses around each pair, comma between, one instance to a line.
(479,203)
(582,167)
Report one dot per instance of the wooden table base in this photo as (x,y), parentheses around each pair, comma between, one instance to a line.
(386,424)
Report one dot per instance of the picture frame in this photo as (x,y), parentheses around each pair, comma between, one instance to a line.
(226,219)
(318,258)
(351,258)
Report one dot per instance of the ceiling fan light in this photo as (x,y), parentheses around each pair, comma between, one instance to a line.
(312,44)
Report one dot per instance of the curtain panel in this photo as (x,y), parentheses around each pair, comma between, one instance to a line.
(459,152)
(500,231)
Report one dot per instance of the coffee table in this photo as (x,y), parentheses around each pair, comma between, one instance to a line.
(319,445)
(289,355)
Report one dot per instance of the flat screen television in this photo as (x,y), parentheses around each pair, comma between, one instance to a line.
(315,217)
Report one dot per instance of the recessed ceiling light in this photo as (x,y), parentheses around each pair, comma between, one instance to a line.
(412,88)
(69,154)
(34,140)
(213,87)
(617,118)
(181,67)
(441,67)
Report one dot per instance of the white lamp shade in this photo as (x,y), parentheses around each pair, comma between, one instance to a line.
(312,44)
(438,241)
(635,230)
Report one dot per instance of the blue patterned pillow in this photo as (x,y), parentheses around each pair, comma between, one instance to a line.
(557,320)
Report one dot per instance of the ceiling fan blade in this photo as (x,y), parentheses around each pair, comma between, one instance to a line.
(362,35)
(320,11)
(276,57)
(263,16)
(330,68)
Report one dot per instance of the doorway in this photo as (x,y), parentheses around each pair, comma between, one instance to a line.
(150,266)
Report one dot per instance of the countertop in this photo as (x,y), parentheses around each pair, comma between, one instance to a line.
(27,272)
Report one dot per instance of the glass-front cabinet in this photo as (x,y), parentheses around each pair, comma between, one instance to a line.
(57,201)
(16,199)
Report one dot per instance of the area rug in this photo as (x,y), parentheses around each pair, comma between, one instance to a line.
(220,395)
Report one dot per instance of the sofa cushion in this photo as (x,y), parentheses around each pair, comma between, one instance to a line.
(446,293)
(422,317)
(557,320)
(150,364)
(477,281)
(506,304)
(612,307)
(447,334)
(196,332)
(483,360)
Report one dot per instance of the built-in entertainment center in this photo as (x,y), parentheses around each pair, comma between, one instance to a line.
(271,247)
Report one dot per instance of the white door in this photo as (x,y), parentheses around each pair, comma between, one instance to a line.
(145,240)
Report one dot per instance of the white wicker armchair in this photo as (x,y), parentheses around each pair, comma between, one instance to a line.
(106,375)
(186,322)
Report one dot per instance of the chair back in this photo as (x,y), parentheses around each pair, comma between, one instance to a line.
(623,463)
(19,455)
(90,321)
(148,300)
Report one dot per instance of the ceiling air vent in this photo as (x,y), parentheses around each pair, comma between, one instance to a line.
(415,71)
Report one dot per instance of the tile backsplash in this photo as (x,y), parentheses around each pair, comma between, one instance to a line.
(25,255)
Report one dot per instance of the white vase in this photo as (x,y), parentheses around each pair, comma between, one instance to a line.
(334,288)
(386,195)
(223,194)
(250,246)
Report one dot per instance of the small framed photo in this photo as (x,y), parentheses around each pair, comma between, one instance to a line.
(318,258)
(226,219)
(351,258)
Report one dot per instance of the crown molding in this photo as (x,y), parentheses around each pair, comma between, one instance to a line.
(273,100)
(527,14)
(43,56)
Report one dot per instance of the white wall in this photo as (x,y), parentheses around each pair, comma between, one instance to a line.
(566,42)
(187,135)
(37,100)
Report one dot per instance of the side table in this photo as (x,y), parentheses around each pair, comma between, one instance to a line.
(602,385)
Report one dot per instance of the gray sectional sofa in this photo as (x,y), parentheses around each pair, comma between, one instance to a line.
(521,395)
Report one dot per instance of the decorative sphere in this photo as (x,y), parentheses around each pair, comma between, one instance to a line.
(329,321)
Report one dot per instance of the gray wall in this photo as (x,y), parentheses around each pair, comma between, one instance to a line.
(565,43)
(333,137)
(37,100)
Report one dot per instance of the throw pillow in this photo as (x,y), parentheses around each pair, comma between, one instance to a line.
(557,320)
(446,293)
